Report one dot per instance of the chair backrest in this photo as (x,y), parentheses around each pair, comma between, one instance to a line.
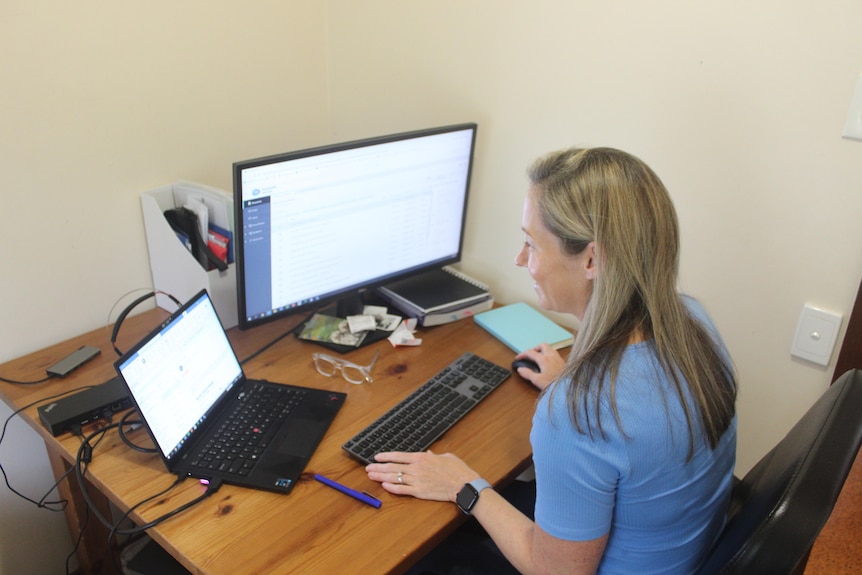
(781,505)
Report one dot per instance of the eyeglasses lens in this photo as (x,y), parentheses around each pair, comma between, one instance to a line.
(324,365)
(353,374)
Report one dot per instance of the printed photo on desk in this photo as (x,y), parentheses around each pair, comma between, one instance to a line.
(325,328)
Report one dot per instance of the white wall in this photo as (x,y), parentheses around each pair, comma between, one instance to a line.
(100,101)
(738,106)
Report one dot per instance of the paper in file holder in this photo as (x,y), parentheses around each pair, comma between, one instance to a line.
(175,270)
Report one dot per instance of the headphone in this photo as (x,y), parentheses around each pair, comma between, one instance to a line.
(128,309)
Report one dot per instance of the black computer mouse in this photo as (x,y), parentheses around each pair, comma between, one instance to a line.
(524,362)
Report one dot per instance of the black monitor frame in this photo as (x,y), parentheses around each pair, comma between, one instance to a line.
(347,296)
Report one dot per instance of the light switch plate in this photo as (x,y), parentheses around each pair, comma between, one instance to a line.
(815,336)
(853,123)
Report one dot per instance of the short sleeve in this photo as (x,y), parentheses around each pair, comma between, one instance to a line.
(573,502)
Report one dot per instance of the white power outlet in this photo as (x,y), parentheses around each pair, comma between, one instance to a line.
(815,335)
(853,124)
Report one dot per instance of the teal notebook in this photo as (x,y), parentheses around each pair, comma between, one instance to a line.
(521,327)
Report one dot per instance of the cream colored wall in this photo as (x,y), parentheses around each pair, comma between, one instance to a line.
(100,101)
(738,106)
(103,100)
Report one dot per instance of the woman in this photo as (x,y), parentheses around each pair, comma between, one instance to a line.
(634,435)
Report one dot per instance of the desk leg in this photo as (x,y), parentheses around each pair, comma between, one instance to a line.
(93,551)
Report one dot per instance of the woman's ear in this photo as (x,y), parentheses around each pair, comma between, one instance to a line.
(591,260)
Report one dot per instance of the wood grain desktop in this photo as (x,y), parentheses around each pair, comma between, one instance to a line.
(314,529)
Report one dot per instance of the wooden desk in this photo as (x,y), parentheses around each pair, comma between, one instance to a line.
(314,529)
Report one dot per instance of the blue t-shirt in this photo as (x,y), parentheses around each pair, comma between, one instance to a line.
(662,511)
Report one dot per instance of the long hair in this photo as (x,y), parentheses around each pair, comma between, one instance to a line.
(612,198)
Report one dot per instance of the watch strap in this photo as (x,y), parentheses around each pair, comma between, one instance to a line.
(480,484)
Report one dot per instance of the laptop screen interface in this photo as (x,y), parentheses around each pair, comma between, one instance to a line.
(180,373)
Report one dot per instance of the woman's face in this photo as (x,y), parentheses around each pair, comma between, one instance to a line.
(563,282)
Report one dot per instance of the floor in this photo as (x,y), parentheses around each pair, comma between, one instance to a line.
(837,550)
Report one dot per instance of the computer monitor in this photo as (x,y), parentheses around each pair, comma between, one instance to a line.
(328,223)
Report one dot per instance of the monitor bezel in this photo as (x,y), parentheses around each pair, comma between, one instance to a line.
(362,288)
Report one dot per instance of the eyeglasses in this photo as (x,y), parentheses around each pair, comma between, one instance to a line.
(328,365)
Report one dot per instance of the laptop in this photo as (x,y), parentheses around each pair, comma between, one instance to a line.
(189,389)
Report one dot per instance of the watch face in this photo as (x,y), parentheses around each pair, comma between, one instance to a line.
(467,498)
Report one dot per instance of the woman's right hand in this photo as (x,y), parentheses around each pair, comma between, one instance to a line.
(550,363)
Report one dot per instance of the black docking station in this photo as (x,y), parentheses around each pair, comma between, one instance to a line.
(85,406)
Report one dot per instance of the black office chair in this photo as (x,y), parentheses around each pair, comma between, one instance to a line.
(781,505)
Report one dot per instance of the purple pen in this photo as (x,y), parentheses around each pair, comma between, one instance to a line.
(361,496)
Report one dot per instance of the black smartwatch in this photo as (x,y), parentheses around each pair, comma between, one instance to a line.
(469,495)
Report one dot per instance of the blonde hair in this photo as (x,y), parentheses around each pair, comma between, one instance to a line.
(612,198)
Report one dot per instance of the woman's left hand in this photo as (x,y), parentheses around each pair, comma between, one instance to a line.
(425,475)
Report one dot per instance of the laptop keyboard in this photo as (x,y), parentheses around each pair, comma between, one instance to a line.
(245,433)
(431,410)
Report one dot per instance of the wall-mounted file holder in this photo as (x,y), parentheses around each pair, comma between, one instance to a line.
(174,268)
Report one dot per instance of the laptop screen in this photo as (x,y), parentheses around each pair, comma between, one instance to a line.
(180,371)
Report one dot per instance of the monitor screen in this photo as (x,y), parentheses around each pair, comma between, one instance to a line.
(328,223)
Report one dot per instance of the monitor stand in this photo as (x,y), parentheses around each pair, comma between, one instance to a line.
(344,307)
(347,306)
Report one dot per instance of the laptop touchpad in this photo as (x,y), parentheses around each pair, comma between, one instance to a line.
(300,437)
